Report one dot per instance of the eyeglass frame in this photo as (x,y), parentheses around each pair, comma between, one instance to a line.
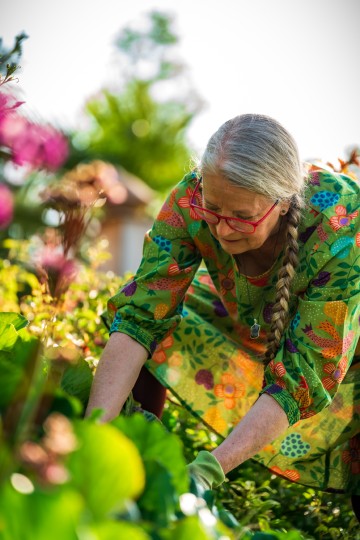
(254,224)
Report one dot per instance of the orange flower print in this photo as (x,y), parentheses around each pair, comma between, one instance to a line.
(353,455)
(321,233)
(184,202)
(336,373)
(227,283)
(229,390)
(302,396)
(213,418)
(160,355)
(342,219)
(288,473)
(175,359)
(279,371)
(357,239)
(331,347)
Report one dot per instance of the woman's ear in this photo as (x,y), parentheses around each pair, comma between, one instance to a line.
(284,208)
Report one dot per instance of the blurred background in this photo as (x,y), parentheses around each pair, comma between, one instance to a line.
(143,84)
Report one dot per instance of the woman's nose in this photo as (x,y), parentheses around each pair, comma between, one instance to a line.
(223,229)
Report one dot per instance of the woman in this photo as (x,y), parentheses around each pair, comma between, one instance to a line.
(261,341)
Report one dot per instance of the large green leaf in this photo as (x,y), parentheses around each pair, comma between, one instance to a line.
(17,351)
(9,324)
(77,380)
(106,468)
(190,528)
(156,444)
(116,531)
(159,502)
(39,515)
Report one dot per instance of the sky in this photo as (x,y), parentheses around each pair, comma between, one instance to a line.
(295,60)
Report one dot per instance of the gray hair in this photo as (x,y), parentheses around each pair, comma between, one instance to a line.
(257,153)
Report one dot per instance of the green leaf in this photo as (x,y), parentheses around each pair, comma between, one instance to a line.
(190,528)
(10,324)
(106,468)
(15,361)
(155,443)
(54,514)
(17,320)
(115,531)
(159,501)
(77,380)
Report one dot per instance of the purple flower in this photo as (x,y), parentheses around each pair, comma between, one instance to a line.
(290,346)
(6,206)
(220,309)
(205,377)
(267,312)
(314,179)
(130,288)
(304,236)
(322,279)
(153,346)
(274,389)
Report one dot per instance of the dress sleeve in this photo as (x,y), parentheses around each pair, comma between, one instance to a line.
(319,344)
(149,305)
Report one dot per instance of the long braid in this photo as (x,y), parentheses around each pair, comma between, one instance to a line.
(286,273)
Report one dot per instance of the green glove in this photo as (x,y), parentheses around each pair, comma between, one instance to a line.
(206,471)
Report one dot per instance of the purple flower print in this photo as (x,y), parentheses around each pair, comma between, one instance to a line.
(153,346)
(220,309)
(314,179)
(205,377)
(267,312)
(290,346)
(322,279)
(304,236)
(130,288)
(274,389)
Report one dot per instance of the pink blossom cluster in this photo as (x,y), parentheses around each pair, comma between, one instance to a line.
(6,206)
(35,145)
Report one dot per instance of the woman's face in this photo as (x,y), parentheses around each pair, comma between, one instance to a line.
(222,197)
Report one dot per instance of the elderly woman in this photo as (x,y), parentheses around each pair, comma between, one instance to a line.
(246,306)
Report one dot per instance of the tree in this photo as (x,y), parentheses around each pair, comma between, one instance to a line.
(135,127)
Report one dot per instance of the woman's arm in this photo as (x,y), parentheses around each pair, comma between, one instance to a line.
(265,421)
(116,374)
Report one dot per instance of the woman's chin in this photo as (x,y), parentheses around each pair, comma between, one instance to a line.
(234,246)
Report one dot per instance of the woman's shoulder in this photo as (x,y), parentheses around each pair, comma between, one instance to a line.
(330,195)
(325,187)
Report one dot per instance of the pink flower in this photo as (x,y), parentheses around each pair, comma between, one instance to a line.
(55,148)
(6,206)
(30,144)
(7,105)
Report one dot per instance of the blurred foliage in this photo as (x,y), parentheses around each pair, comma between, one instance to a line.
(137,127)
(9,58)
(262,501)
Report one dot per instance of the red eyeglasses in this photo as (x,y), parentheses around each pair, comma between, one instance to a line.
(237,224)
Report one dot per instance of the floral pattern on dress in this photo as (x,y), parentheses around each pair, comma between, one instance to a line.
(188,305)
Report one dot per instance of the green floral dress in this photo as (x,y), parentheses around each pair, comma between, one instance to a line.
(192,309)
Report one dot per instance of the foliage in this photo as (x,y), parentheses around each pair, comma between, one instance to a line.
(9,59)
(136,127)
(260,500)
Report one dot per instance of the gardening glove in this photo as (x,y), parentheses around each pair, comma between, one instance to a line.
(205,472)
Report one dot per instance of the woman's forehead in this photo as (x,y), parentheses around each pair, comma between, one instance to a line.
(217,189)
